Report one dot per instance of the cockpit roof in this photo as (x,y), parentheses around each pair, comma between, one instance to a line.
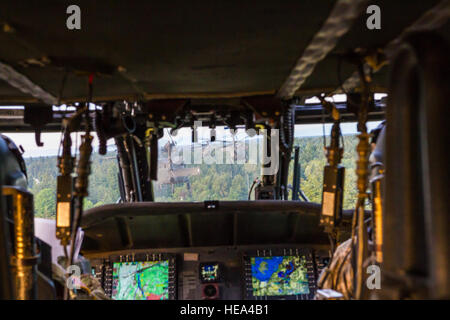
(181,49)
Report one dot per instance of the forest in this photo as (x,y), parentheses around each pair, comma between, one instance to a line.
(215,181)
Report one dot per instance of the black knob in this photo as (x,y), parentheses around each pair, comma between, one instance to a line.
(210,291)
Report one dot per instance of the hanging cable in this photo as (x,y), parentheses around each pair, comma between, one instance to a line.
(323,125)
(362,172)
(251,188)
(64,184)
(81,182)
(333,176)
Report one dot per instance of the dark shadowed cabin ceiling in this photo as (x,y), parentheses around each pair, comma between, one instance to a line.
(181,48)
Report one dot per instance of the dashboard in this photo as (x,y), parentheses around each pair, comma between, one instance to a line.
(287,272)
(230,250)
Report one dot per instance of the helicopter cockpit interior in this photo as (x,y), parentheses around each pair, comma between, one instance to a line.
(132,75)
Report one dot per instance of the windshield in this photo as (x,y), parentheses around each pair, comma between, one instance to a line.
(193,171)
(232,180)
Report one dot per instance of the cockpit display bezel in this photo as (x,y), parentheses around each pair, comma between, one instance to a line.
(146,257)
(247,272)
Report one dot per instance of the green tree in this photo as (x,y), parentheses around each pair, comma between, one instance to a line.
(216,181)
(238,189)
(87,204)
(45,203)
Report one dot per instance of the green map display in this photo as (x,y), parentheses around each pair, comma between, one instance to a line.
(141,280)
(279,276)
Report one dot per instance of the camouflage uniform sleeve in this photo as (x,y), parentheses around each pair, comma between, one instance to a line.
(338,275)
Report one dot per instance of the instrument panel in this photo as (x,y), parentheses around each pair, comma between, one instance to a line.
(281,272)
